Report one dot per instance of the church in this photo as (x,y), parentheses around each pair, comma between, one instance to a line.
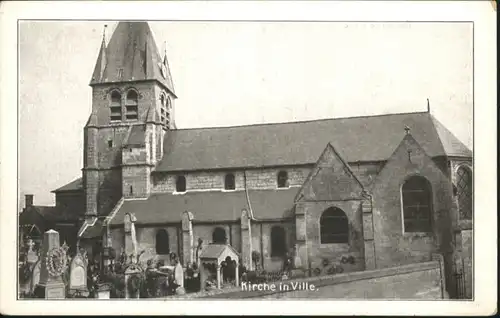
(378,191)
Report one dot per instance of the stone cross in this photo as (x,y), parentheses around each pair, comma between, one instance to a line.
(30,245)
(31,255)
(407,130)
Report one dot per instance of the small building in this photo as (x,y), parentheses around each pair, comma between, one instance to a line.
(212,258)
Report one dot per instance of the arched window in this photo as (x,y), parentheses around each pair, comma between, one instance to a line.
(132,105)
(162,244)
(167,112)
(278,241)
(163,108)
(334,226)
(229,183)
(417,204)
(180,184)
(219,236)
(282,179)
(464,192)
(116,106)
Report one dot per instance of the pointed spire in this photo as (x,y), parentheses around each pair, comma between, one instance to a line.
(101,63)
(165,53)
(103,51)
(104,34)
(133,54)
(146,54)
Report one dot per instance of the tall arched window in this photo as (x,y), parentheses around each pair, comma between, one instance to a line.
(167,112)
(163,108)
(229,183)
(334,226)
(219,236)
(278,241)
(162,244)
(417,204)
(282,179)
(180,184)
(116,106)
(464,192)
(132,105)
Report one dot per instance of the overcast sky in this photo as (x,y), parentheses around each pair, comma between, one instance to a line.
(235,73)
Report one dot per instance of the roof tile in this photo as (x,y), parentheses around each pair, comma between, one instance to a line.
(212,206)
(370,138)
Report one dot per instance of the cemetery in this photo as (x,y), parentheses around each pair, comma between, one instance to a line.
(52,272)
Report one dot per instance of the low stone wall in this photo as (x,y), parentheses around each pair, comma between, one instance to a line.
(414,281)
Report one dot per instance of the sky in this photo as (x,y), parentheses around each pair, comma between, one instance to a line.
(237,73)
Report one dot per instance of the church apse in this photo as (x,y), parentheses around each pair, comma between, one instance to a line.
(412,207)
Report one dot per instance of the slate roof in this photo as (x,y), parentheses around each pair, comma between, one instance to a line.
(136,136)
(210,206)
(452,146)
(32,215)
(368,138)
(214,251)
(96,230)
(43,215)
(74,185)
(132,49)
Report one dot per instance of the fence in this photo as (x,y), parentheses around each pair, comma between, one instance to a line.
(459,277)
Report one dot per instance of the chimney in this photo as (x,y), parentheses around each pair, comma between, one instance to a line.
(28,200)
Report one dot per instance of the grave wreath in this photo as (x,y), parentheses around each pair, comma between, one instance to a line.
(57,261)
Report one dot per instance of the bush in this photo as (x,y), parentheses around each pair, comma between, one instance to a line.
(254,277)
(117,282)
(192,285)
(135,284)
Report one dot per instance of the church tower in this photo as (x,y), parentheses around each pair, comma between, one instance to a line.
(132,111)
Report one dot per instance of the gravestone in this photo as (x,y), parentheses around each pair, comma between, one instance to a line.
(53,264)
(78,272)
(179,277)
(131,270)
(31,255)
(35,277)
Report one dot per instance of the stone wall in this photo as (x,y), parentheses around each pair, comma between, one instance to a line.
(422,282)
(205,231)
(73,202)
(214,180)
(146,239)
(265,178)
(261,242)
(318,251)
(149,94)
(109,190)
(394,246)
(136,181)
(413,281)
